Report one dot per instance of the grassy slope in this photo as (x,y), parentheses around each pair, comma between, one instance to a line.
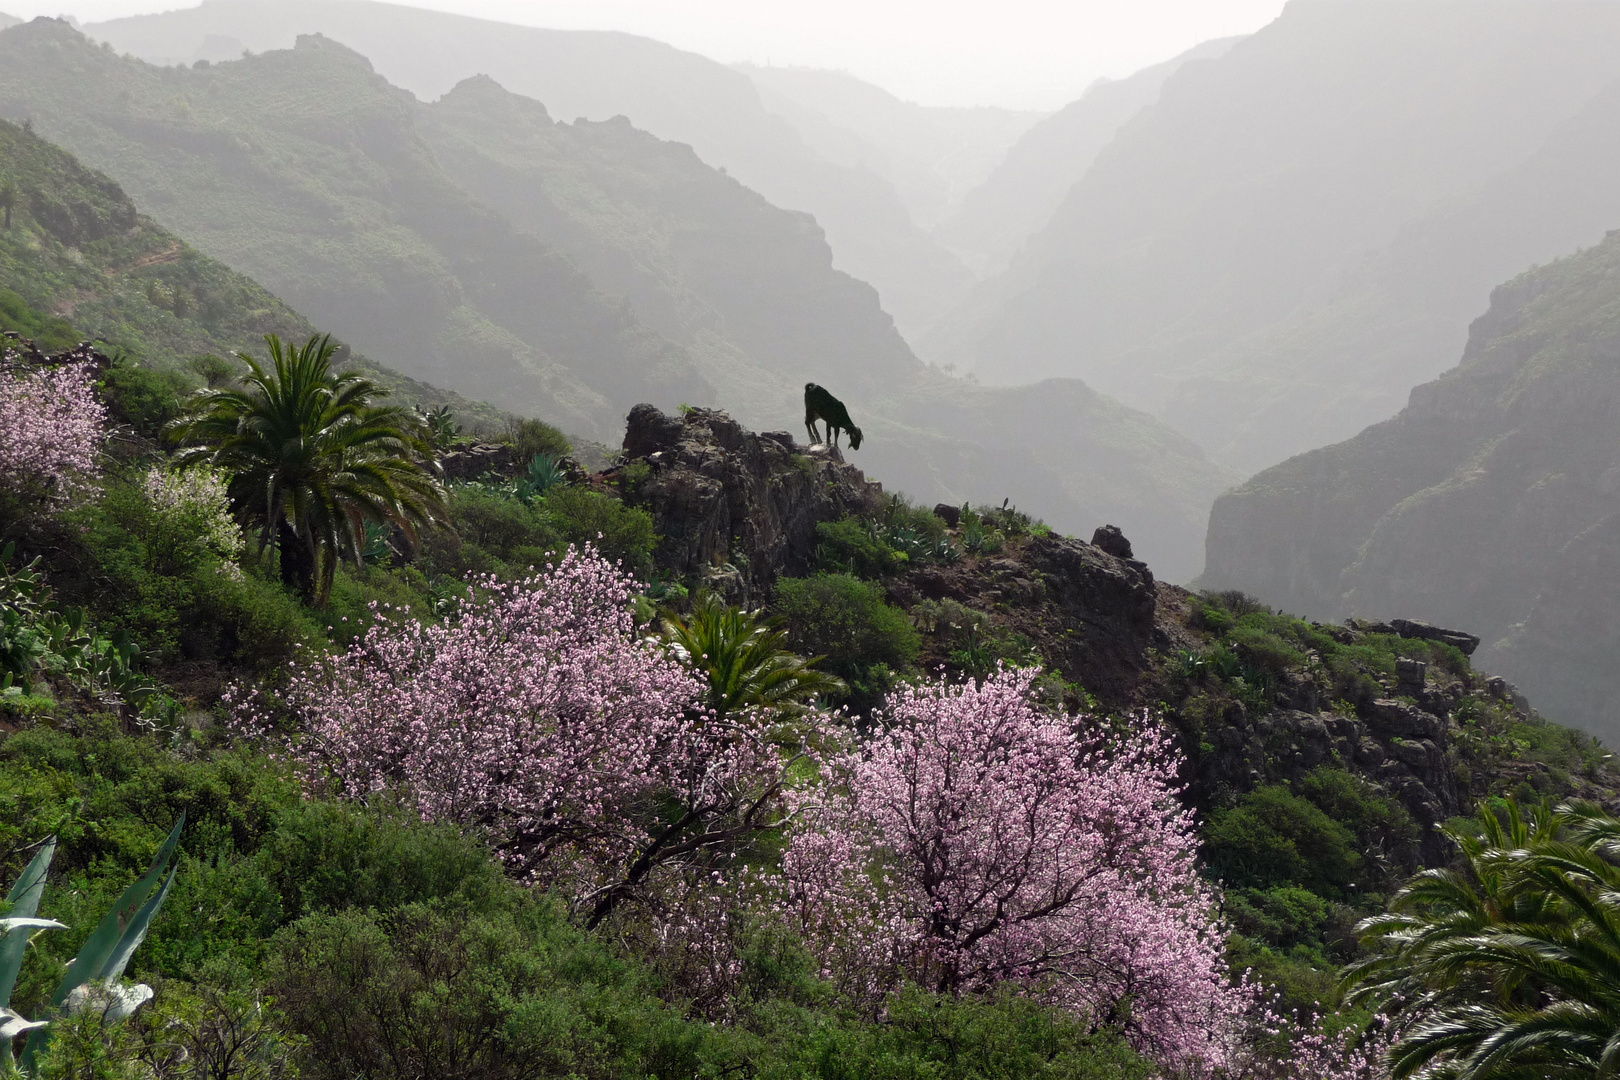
(302,168)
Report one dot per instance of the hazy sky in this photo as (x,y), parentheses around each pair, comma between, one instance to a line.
(1022,53)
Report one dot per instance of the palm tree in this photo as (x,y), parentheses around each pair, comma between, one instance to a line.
(312,460)
(1510,968)
(746,661)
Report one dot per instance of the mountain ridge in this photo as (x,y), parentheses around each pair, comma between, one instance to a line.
(1261,190)
(676,95)
(1491,501)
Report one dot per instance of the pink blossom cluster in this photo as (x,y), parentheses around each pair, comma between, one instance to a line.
(1315,1051)
(538,715)
(52,432)
(977,839)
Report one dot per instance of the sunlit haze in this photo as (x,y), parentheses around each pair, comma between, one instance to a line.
(1015,53)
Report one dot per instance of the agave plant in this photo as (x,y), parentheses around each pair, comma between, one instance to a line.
(93,978)
(544,473)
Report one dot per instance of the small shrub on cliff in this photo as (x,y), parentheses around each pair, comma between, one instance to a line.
(533,437)
(851,623)
(1273,837)
(848,546)
(623,534)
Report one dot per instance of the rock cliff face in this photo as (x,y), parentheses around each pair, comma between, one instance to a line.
(1395,703)
(1489,502)
(735,510)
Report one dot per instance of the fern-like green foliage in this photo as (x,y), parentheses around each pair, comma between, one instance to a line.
(313,460)
(747,662)
(1509,965)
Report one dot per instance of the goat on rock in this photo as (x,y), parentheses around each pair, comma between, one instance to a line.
(820,405)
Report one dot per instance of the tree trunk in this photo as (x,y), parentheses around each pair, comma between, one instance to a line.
(297,562)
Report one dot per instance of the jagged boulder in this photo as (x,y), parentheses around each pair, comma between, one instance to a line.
(1113,541)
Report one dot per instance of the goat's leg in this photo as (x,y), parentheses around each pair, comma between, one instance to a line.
(810,426)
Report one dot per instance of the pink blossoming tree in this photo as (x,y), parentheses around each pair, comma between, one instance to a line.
(52,432)
(975,839)
(539,716)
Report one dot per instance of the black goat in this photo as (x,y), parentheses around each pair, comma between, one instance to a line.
(820,405)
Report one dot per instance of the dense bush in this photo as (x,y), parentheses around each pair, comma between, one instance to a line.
(534,437)
(850,622)
(1273,837)
(849,546)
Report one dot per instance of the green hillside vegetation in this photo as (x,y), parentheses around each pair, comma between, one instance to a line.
(632,272)
(1488,503)
(78,261)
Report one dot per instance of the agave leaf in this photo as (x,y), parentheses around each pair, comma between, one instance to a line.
(24,897)
(136,932)
(94,958)
(12,1025)
(8,924)
(112,999)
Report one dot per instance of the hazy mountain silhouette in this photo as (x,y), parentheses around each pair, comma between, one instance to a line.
(933,155)
(1020,196)
(748,289)
(1408,306)
(8,20)
(1490,503)
(302,169)
(562,270)
(1213,264)
(673,94)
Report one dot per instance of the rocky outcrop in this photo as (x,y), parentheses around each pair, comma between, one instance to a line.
(734,509)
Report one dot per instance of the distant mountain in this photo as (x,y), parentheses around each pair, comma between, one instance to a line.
(304,169)
(746,288)
(1490,503)
(673,94)
(1212,265)
(931,154)
(1031,182)
(562,270)
(1406,307)
(78,251)
(8,20)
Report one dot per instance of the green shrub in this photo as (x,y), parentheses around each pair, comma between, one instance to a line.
(621,533)
(1265,650)
(850,622)
(847,546)
(1273,837)
(142,398)
(1284,915)
(1379,822)
(438,991)
(533,437)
